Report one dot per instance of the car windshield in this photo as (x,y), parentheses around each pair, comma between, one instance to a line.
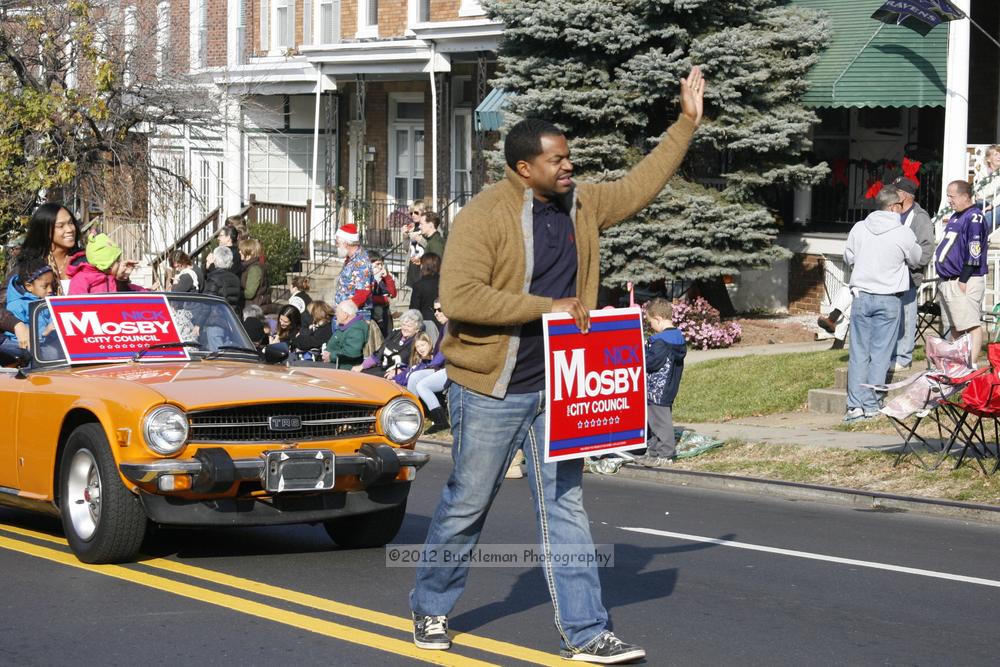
(207,322)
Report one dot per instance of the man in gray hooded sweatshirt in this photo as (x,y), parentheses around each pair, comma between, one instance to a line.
(879,249)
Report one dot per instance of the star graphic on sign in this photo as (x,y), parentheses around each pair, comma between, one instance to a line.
(579,424)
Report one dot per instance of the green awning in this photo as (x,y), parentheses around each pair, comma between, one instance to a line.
(489,113)
(895,68)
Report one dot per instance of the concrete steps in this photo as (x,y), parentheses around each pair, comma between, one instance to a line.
(831,401)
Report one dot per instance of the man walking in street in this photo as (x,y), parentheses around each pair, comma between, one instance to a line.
(917,219)
(961,265)
(524,247)
(879,249)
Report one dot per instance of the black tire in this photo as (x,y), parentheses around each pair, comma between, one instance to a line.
(363,531)
(111,529)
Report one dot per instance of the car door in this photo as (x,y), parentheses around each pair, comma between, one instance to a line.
(10,395)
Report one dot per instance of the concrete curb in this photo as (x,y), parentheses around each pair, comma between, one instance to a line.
(872,501)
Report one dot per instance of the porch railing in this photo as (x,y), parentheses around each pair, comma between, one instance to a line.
(296,218)
(193,242)
(842,197)
(380,222)
(131,234)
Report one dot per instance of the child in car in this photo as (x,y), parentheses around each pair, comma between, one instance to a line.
(33,282)
(104,271)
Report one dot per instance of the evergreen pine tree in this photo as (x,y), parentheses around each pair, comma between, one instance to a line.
(608,73)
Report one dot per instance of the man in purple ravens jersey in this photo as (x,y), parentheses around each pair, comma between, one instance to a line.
(879,249)
(961,265)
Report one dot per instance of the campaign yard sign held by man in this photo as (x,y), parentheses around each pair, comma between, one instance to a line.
(108,327)
(595,384)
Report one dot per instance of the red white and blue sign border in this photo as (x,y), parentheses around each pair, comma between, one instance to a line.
(62,304)
(594,435)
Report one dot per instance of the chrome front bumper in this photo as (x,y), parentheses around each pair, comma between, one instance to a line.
(213,468)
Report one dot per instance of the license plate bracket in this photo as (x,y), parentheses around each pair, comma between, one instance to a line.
(288,470)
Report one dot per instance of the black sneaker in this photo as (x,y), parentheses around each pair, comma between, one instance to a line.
(431,632)
(606,649)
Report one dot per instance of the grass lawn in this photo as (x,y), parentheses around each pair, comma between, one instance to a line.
(852,469)
(714,391)
(723,389)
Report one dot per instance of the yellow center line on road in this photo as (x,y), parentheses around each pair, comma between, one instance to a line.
(315,602)
(237,604)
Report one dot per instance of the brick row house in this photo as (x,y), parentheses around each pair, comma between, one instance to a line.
(346,109)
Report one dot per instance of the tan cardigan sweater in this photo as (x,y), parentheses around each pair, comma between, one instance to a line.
(487,270)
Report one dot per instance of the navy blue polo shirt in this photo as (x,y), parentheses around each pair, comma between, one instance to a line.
(554,275)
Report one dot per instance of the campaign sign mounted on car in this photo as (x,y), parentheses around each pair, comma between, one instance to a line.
(595,384)
(96,328)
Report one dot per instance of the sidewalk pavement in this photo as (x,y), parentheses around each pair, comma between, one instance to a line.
(807,429)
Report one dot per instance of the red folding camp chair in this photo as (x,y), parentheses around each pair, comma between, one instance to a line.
(919,397)
(979,405)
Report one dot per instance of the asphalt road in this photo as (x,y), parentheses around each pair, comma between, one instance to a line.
(699,578)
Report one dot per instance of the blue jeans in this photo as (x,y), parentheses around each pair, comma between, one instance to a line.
(426,384)
(487,432)
(11,351)
(907,328)
(874,328)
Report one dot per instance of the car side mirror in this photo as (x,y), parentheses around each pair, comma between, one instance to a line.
(275,353)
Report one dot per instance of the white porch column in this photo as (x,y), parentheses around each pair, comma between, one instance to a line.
(956,122)
(233,158)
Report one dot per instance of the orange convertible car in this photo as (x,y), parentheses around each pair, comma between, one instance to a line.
(220,438)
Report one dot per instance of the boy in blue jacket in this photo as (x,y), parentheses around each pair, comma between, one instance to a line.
(665,352)
(34,281)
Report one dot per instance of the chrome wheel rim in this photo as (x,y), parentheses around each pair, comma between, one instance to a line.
(83,494)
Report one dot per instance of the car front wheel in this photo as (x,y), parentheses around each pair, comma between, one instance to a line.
(362,531)
(104,522)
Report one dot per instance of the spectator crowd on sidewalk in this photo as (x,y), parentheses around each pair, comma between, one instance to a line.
(889,253)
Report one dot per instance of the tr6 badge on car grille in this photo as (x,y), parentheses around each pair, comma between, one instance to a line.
(284,423)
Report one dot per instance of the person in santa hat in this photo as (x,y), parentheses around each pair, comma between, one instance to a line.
(355,282)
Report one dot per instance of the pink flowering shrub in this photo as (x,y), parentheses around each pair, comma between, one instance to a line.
(702,327)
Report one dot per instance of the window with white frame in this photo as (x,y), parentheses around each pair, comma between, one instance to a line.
(162,37)
(279,166)
(71,59)
(284,25)
(220,185)
(461,153)
(367,18)
(406,147)
(470,8)
(307,12)
(265,35)
(419,11)
(199,33)
(131,37)
(205,185)
(328,31)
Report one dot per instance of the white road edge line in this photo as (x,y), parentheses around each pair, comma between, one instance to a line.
(812,556)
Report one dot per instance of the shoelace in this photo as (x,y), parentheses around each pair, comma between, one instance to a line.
(608,639)
(435,625)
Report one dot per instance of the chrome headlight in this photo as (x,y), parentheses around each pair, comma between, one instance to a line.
(165,429)
(401,420)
